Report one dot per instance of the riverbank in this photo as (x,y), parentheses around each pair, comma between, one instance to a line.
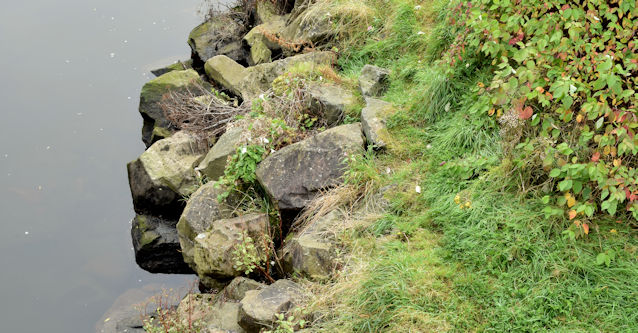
(366,184)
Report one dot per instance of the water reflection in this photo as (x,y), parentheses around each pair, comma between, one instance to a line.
(72,71)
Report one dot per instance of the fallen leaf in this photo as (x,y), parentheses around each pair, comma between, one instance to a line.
(586,228)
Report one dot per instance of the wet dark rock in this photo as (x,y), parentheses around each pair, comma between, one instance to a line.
(156,245)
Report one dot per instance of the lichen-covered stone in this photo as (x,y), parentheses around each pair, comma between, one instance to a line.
(260,45)
(201,211)
(151,95)
(374,81)
(213,250)
(214,164)
(238,288)
(252,81)
(373,121)
(164,174)
(227,72)
(156,245)
(312,251)
(260,307)
(294,175)
(310,26)
(218,36)
(177,66)
(211,312)
(331,100)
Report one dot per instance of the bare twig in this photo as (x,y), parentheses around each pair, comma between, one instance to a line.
(200,111)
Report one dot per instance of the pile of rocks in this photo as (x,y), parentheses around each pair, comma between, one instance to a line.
(182,226)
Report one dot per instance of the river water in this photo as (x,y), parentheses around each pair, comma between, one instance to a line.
(71,75)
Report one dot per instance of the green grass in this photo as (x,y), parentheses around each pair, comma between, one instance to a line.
(497,265)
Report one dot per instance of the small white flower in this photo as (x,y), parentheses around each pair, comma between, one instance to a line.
(262,97)
(596,18)
(417,189)
(244,150)
(480,17)
(266,140)
(417,7)
(420,33)
(429,146)
(388,171)
(467,65)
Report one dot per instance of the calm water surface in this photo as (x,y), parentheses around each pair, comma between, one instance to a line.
(71,75)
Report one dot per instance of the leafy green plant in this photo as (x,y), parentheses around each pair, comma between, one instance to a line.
(568,72)
(241,168)
(248,256)
(288,324)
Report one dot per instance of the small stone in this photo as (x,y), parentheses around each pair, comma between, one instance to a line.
(373,81)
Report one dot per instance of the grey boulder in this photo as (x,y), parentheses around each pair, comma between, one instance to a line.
(373,121)
(373,81)
(312,251)
(156,126)
(164,174)
(331,100)
(294,175)
(201,211)
(214,164)
(260,307)
(214,251)
(252,81)
(218,36)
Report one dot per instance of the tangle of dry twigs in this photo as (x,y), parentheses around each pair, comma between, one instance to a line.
(200,111)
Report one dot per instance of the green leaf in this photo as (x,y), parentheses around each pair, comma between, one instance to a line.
(565,185)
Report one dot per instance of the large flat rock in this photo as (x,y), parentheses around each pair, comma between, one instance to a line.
(294,175)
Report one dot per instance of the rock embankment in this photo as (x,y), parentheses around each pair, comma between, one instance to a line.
(191,218)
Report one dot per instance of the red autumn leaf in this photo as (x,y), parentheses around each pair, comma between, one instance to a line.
(586,228)
(627,194)
(595,157)
(526,113)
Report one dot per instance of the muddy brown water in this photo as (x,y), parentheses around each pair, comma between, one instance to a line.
(71,75)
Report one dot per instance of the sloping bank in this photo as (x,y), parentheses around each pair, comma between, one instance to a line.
(306,187)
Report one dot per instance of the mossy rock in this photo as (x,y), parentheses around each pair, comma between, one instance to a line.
(164,174)
(156,245)
(156,126)
(373,120)
(218,36)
